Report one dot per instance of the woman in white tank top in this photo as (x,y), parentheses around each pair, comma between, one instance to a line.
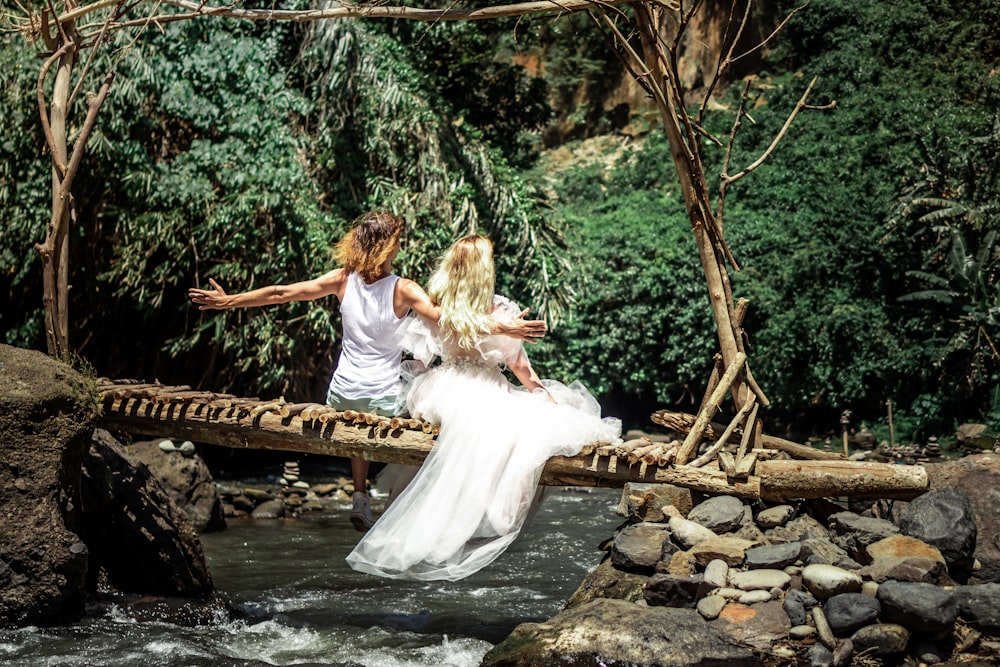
(372,302)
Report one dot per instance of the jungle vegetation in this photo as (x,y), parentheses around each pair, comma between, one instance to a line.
(237,151)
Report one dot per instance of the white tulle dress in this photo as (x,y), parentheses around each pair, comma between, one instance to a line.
(474,491)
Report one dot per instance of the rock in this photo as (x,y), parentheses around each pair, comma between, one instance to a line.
(799,529)
(823,628)
(764,580)
(720,514)
(943,519)
(716,573)
(271,509)
(979,606)
(903,546)
(681,564)
(825,581)
(883,640)
(848,612)
(821,551)
(638,547)
(773,556)
(977,476)
(925,570)
(819,656)
(759,625)
(187,480)
(854,533)
(754,597)
(670,590)
(47,413)
(842,653)
(711,606)
(139,540)
(732,550)
(607,581)
(654,502)
(922,608)
(688,533)
(775,516)
(640,636)
(796,603)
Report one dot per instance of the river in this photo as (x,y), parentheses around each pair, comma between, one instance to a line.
(302,605)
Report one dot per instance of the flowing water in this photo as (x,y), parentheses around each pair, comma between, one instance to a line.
(300,604)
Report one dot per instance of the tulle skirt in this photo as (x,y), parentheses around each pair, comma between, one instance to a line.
(473,493)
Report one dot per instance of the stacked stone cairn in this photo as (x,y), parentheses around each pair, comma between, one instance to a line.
(813,582)
(291,497)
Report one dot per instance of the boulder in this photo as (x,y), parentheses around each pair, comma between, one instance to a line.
(47,413)
(978,476)
(622,632)
(607,581)
(139,540)
(943,519)
(188,482)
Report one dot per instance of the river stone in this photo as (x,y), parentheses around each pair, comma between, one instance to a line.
(688,533)
(821,551)
(775,516)
(640,636)
(754,580)
(720,514)
(716,573)
(607,581)
(882,640)
(923,608)
(824,581)
(853,533)
(800,528)
(759,625)
(732,550)
(681,563)
(773,556)
(638,547)
(711,606)
(754,597)
(796,603)
(670,590)
(926,570)
(271,509)
(654,502)
(819,656)
(943,519)
(847,612)
(903,546)
(800,632)
(978,476)
(979,606)
(47,413)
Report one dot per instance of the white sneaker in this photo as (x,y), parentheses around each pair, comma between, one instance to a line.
(361,515)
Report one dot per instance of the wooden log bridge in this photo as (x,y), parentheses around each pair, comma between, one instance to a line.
(156,410)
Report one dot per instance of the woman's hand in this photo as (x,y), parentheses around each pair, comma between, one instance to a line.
(530,331)
(213,299)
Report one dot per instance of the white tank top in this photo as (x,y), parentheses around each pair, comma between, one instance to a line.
(370,352)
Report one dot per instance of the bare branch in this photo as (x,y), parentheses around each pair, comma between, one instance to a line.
(197,9)
(726,60)
(737,123)
(774,32)
(43,113)
(784,130)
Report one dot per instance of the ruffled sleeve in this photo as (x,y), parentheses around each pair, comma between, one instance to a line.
(420,339)
(498,348)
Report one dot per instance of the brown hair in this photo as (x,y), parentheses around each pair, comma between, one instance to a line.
(369,244)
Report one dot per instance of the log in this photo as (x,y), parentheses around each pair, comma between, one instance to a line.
(784,479)
(680,421)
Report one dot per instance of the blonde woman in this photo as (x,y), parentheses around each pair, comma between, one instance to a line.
(373,302)
(471,497)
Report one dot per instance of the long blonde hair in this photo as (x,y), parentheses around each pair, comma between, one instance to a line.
(369,244)
(463,286)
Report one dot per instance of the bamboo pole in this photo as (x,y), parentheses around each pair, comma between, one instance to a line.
(709,409)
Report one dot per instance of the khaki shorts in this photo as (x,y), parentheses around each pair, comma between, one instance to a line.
(380,405)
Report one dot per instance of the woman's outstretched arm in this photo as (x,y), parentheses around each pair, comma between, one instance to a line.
(306,290)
